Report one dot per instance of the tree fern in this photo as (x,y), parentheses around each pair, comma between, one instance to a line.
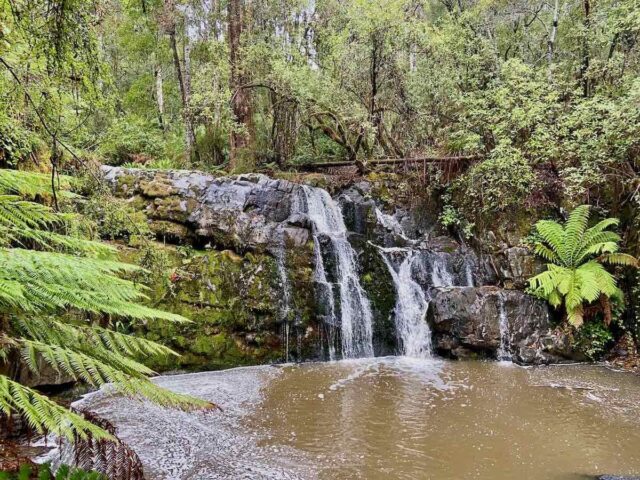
(46,272)
(575,274)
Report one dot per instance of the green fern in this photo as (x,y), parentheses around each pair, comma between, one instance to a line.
(575,273)
(46,272)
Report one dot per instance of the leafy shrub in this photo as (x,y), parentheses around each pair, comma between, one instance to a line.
(450,217)
(132,138)
(593,339)
(116,219)
(500,183)
(16,143)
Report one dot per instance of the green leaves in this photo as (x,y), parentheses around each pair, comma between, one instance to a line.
(68,275)
(576,275)
(44,415)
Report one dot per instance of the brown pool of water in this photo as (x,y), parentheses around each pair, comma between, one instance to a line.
(391,418)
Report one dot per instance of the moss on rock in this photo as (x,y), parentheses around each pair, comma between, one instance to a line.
(232,302)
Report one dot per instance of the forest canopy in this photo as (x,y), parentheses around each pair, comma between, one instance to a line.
(293,81)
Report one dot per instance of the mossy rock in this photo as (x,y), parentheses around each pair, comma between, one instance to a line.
(232,302)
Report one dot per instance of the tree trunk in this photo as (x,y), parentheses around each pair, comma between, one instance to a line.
(160,96)
(584,68)
(240,139)
(551,42)
(170,29)
(190,135)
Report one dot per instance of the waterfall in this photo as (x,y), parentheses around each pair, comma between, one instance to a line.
(504,352)
(468,271)
(411,307)
(285,301)
(356,319)
(440,275)
(390,223)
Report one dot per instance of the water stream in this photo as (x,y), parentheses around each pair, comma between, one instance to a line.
(355,317)
(285,301)
(504,352)
(411,306)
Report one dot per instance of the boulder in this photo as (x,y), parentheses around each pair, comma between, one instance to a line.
(466,322)
(244,212)
(515,266)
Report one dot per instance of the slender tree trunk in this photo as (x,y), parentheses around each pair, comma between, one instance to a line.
(170,28)
(551,42)
(160,96)
(586,57)
(190,135)
(240,139)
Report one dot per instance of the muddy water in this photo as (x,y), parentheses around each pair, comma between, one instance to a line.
(391,418)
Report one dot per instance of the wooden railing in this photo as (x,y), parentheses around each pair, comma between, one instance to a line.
(363,166)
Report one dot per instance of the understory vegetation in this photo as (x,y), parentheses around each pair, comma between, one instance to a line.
(528,112)
(50,268)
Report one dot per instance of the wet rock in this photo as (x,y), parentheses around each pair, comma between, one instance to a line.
(245,212)
(466,322)
(515,266)
(357,210)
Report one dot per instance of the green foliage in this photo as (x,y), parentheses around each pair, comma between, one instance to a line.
(36,286)
(593,339)
(576,254)
(131,138)
(498,184)
(16,142)
(451,218)
(116,219)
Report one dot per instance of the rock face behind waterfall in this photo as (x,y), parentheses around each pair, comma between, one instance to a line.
(247,212)
(466,323)
(290,268)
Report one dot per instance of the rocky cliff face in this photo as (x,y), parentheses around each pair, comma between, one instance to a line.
(243,213)
(493,322)
(279,306)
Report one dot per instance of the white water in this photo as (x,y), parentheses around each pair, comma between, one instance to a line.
(285,305)
(411,308)
(440,274)
(390,223)
(356,319)
(504,352)
(468,272)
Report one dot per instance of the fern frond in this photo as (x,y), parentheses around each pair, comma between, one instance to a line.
(576,274)
(33,184)
(53,281)
(553,234)
(574,230)
(23,221)
(546,253)
(44,415)
(620,259)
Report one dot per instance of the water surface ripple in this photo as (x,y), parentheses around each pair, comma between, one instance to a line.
(389,418)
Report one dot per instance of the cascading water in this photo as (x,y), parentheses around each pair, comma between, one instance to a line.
(285,304)
(504,352)
(356,319)
(411,307)
(440,274)
(390,223)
